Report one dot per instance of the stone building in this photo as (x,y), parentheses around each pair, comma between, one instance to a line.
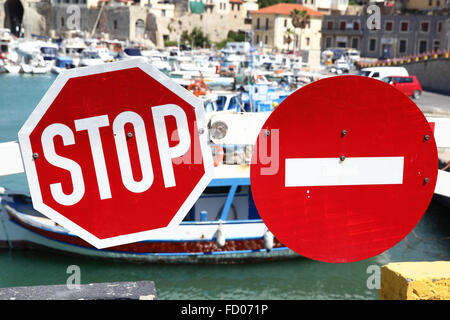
(150,22)
(326,6)
(398,35)
(214,17)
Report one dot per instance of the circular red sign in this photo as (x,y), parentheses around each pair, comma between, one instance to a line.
(344,168)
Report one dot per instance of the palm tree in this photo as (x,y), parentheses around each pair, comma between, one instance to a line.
(288,35)
(300,19)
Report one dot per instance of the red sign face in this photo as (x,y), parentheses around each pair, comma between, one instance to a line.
(344,169)
(114,153)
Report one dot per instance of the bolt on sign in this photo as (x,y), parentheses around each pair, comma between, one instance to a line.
(353,167)
(115,152)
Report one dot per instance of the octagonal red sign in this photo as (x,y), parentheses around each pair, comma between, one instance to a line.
(115,153)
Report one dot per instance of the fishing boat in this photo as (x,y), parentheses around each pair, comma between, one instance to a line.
(223,226)
(61,63)
(12,68)
(95,55)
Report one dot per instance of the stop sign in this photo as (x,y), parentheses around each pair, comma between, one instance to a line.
(344,169)
(116,152)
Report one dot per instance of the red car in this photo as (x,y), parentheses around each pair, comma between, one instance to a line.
(408,85)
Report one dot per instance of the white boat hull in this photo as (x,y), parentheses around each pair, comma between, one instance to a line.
(12,68)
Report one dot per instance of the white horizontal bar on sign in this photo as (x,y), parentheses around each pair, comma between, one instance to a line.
(443,183)
(441,131)
(10,159)
(307,172)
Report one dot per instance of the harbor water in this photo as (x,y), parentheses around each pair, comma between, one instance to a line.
(292,279)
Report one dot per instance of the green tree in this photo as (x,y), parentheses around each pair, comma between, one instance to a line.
(232,36)
(289,34)
(196,38)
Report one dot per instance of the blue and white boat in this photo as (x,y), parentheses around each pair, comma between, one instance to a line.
(222,227)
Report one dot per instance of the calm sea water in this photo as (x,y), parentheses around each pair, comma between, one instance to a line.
(294,279)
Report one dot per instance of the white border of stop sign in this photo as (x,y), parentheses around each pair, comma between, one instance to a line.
(92,128)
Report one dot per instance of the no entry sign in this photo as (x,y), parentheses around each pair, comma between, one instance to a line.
(344,169)
(113,152)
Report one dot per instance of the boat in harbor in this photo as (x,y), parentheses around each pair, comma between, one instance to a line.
(62,63)
(12,68)
(223,226)
(95,55)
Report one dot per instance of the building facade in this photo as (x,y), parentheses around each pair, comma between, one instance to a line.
(326,6)
(397,35)
(273,29)
(151,22)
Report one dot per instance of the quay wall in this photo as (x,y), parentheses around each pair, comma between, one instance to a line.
(415,281)
(433,75)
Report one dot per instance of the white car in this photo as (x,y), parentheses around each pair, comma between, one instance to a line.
(340,66)
(383,72)
(353,55)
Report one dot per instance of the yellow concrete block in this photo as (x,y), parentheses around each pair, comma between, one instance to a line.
(415,281)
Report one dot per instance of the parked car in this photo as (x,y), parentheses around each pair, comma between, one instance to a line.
(408,85)
(382,72)
(353,55)
(341,66)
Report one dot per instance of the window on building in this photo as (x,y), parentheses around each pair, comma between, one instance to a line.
(139,29)
(404,26)
(257,24)
(422,46)
(342,25)
(257,39)
(267,23)
(388,26)
(424,26)
(372,44)
(312,1)
(285,23)
(62,21)
(355,25)
(439,27)
(265,39)
(115,24)
(355,43)
(430,2)
(436,45)
(307,41)
(329,25)
(402,46)
(327,42)
(163,13)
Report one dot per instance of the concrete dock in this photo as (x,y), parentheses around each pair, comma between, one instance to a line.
(415,281)
(139,290)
